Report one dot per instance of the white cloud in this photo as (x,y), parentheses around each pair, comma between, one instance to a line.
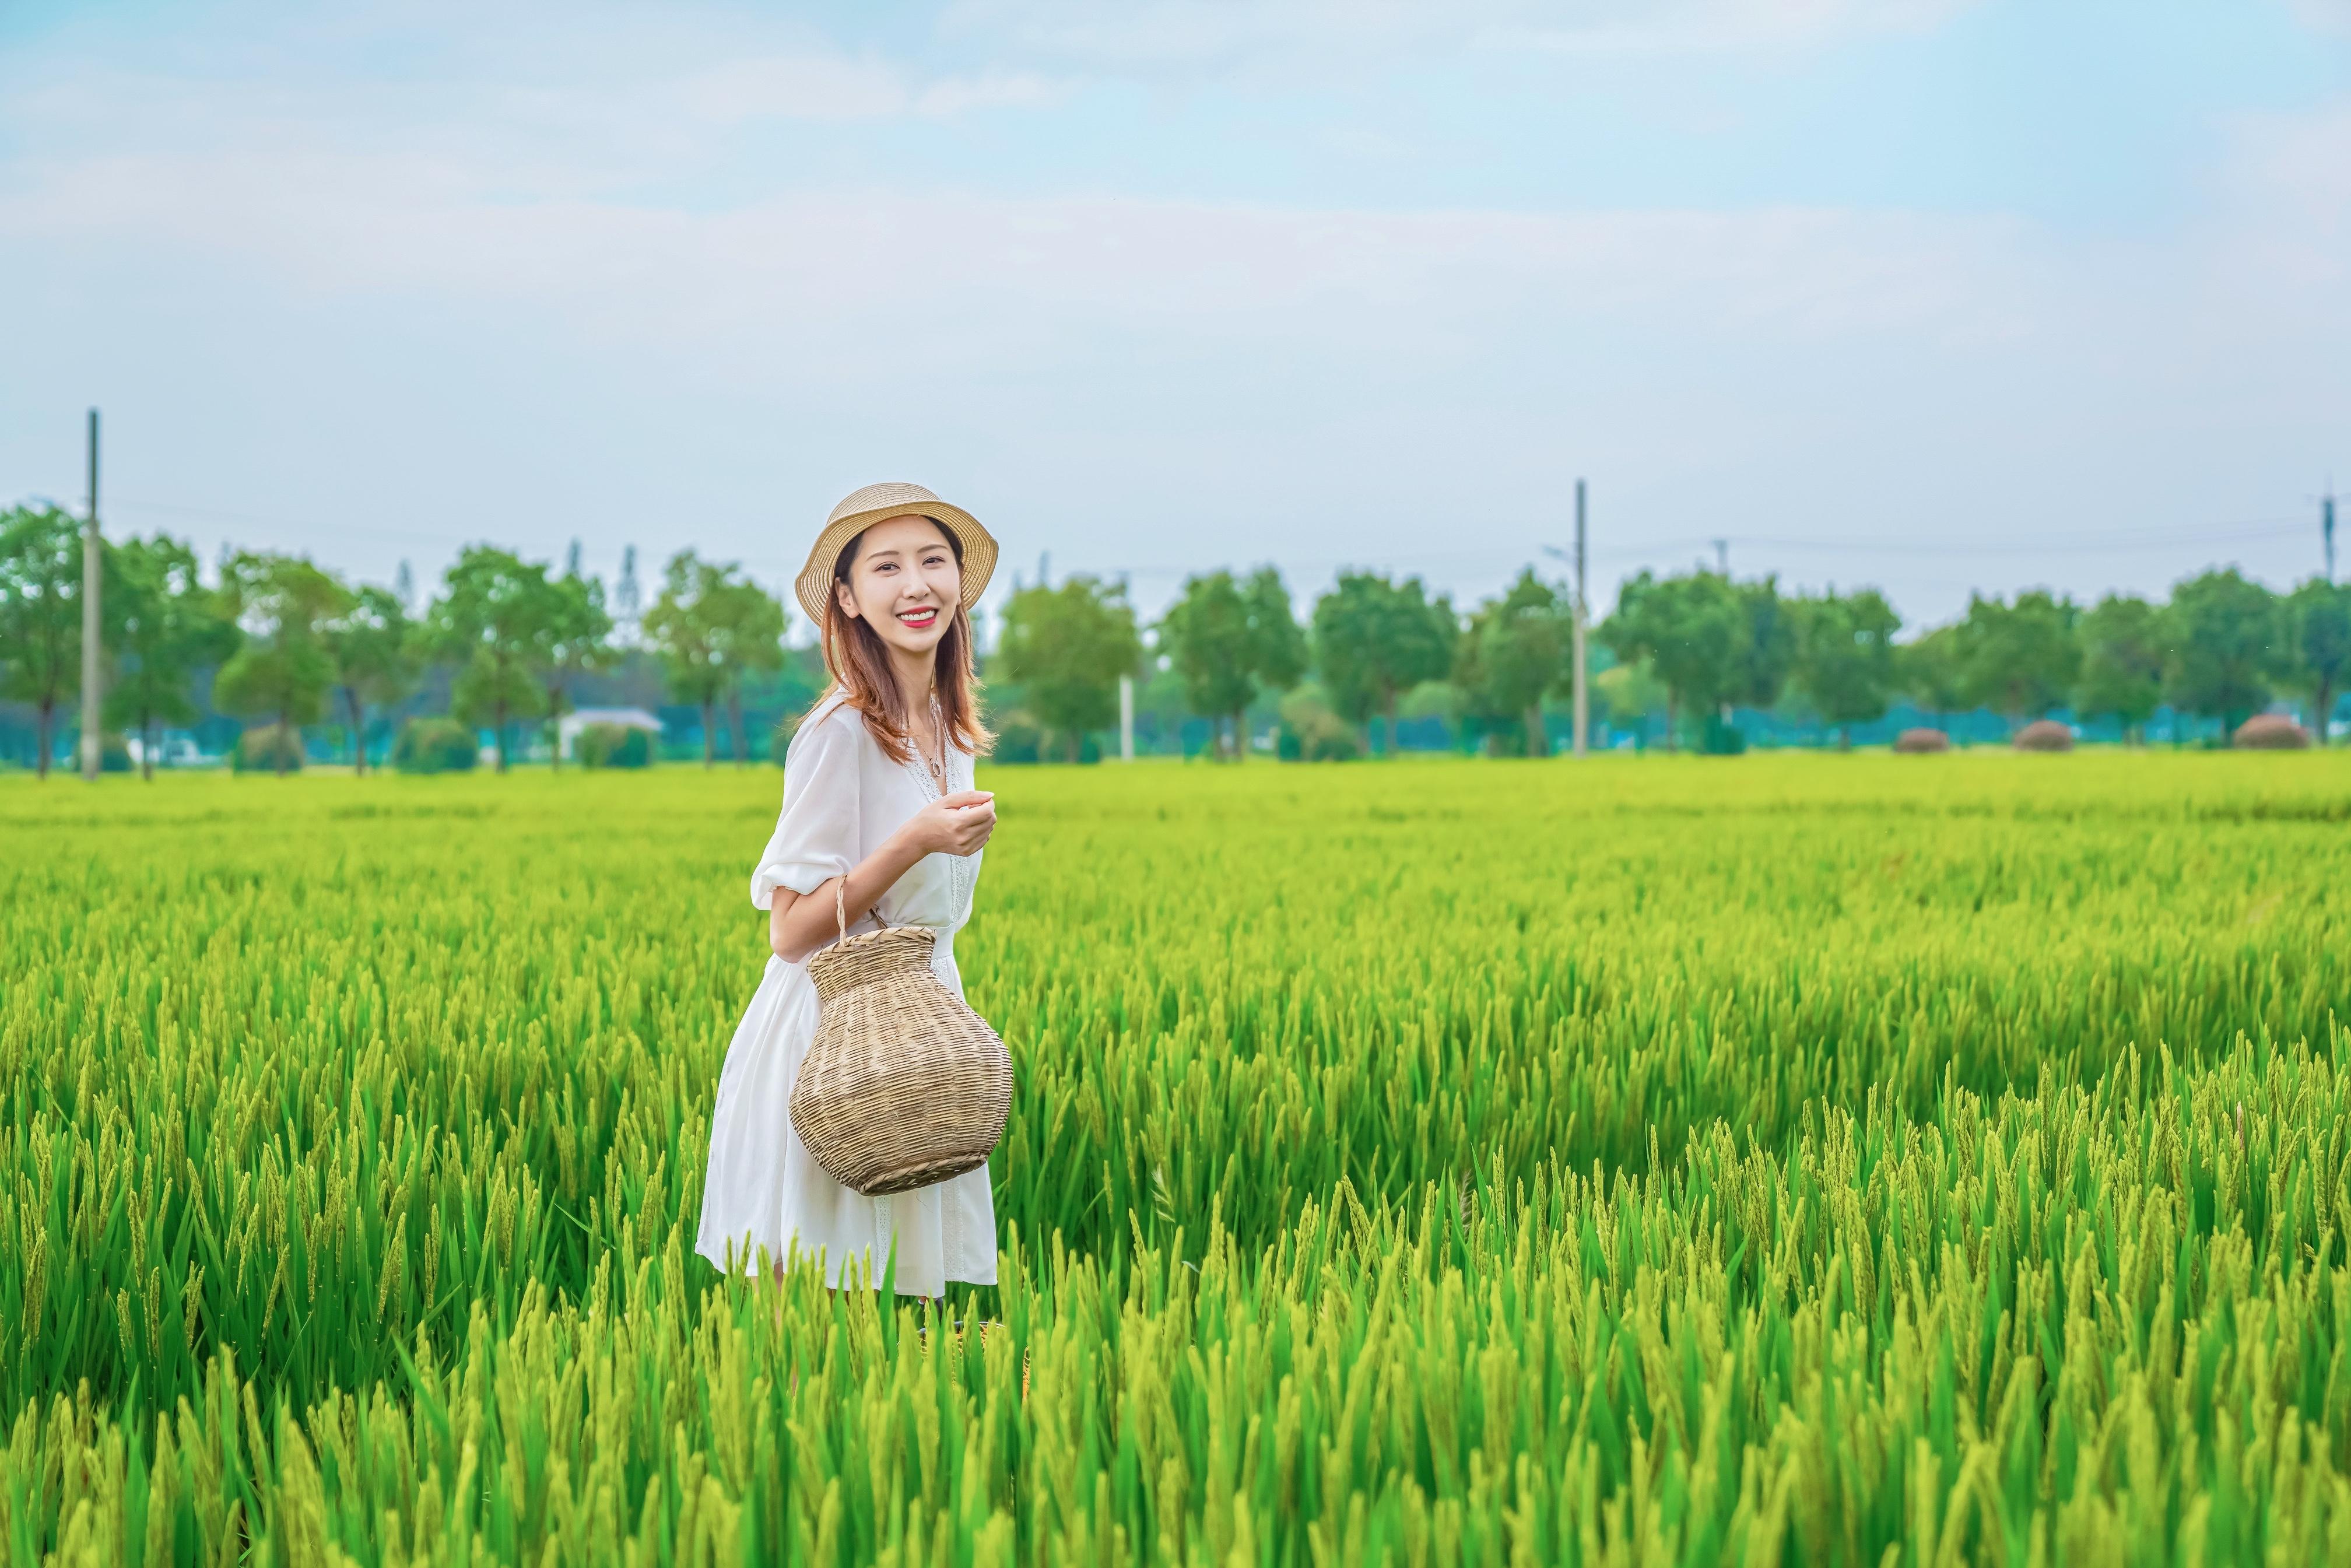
(1150,37)
(2326,15)
(820,86)
(531,254)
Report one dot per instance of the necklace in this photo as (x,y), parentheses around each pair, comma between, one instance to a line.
(939,738)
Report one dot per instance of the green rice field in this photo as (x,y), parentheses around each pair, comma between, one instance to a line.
(1786,1159)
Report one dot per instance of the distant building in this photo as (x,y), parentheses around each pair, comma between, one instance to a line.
(568,728)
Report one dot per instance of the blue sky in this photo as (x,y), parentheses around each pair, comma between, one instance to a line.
(1937,295)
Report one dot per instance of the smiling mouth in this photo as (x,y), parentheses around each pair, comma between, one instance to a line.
(919,619)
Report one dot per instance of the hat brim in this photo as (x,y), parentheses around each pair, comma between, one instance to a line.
(814,584)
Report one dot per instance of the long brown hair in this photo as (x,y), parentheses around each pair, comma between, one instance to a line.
(860,666)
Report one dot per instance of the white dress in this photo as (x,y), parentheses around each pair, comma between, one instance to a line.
(842,797)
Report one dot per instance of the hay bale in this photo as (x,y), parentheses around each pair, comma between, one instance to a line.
(2045,735)
(1920,742)
(2270,732)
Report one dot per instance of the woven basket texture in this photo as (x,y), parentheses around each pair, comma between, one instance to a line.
(904,1084)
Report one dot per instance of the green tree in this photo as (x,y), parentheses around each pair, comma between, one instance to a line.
(1225,640)
(2318,644)
(1691,631)
(2122,662)
(40,615)
(1205,636)
(1765,656)
(491,621)
(374,645)
(1626,694)
(1515,653)
(574,638)
(1930,671)
(709,627)
(2225,638)
(2019,660)
(282,669)
(747,630)
(162,623)
(1845,662)
(1066,647)
(1276,650)
(1374,640)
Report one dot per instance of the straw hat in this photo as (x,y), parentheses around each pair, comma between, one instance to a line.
(860,509)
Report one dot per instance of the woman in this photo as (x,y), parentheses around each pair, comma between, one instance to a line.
(878,798)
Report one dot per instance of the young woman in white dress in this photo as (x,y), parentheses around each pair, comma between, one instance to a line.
(877,796)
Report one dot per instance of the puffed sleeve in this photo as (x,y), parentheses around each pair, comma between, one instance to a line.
(816,837)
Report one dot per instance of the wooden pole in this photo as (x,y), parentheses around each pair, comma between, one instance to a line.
(1582,616)
(93,738)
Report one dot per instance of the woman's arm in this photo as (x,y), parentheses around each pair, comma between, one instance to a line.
(957,824)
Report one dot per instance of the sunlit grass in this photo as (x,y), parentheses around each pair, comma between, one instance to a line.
(1656,1160)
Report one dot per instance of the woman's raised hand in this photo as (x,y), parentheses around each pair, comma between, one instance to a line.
(956,824)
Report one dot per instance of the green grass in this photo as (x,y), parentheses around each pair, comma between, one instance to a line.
(1786,1158)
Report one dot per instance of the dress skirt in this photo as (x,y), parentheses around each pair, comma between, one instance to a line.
(764,1189)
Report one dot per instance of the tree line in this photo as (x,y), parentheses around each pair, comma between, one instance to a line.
(1695,644)
(290,643)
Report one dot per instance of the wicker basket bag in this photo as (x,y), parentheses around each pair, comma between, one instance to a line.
(904,1084)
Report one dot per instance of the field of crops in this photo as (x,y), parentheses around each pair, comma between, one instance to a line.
(1799,1159)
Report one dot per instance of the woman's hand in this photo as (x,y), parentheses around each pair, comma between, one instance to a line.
(956,824)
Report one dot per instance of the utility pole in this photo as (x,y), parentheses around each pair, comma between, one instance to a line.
(2327,526)
(1722,556)
(1126,718)
(1583,617)
(93,740)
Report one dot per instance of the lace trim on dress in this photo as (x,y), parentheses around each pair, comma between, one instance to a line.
(962,875)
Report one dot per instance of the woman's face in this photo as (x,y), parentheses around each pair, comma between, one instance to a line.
(905,583)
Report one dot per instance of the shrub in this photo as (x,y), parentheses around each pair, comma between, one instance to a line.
(1920,742)
(2045,735)
(270,748)
(113,755)
(1718,739)
(1018,739)
(2270,732)
(435,746)
(614,745)
(1310,732)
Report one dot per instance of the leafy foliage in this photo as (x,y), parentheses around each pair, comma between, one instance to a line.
(492,622)
(2019,659)
(2318,645)
(435,746)
(2226,640)
(1226,639)
(2122,641)
(283,669)
(1845,656)
(40,614)
(1374,640)
(1690,632)
(614,745)
(1067,646)
(711,627)
(375,649)
(1930,671)
(162,624)
(1515,654)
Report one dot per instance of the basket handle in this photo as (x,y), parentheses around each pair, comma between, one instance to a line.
(840,908)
